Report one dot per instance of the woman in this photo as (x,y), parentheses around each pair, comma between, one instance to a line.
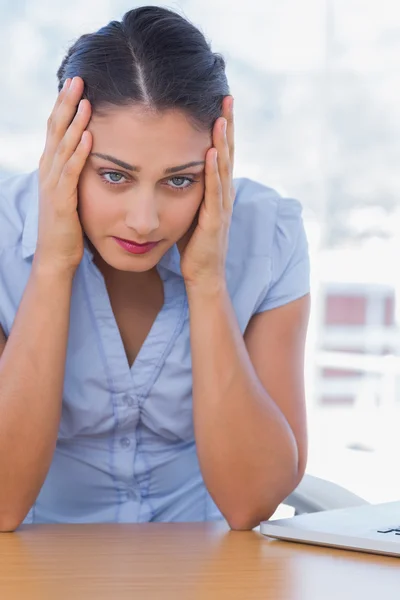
(153,310)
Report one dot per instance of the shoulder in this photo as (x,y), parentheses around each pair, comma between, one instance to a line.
(18,193)
(268,249)
(263,221)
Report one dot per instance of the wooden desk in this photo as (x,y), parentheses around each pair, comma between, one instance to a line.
(182,561)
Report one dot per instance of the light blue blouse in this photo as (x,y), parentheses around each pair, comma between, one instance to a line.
(126,450)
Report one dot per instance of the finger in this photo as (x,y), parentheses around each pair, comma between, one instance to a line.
(63,116)
(62,93)
(228,108)
(60,97)
(224,162)
(227,113)
(71,139)
(73,168)
(45,156)
(213,188)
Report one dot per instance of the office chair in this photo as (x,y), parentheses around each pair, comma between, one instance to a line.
(314,494)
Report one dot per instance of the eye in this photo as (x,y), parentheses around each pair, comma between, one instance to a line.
(113,177)
(178,181)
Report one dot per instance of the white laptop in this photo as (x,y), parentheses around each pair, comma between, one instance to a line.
(367,528)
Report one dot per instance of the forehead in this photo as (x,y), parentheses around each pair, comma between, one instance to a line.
(138,134)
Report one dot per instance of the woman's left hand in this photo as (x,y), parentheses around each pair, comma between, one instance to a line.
(203,259)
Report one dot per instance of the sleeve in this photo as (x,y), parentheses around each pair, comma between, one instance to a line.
(290,265)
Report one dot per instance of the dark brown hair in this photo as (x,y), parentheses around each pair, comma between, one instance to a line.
(153,57)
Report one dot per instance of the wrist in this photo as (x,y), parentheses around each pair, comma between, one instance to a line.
(206,289)
(47,270)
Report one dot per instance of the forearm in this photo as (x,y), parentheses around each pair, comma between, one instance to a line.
(31,382)
(247,451)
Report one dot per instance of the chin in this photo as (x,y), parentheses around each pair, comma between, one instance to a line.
(133,264)
(121,260)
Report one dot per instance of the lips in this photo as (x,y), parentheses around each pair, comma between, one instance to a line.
(135,243)
(134,247)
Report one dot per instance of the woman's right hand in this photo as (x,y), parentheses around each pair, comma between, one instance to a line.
(68,144)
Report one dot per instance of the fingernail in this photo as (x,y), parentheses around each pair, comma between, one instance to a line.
(223,126)
(66,83)
(80,107)
(73,83)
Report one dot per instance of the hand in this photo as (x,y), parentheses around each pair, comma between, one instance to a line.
(203,259)
(68,144)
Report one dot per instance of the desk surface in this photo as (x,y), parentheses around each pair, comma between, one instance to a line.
(182,561)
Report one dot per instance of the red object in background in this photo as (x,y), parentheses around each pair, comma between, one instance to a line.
(351,317)
(389,311)
(345,310)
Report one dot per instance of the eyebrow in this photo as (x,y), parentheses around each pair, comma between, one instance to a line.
(129,167)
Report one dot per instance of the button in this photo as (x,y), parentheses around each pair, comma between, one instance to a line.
(128,401)
(125,443)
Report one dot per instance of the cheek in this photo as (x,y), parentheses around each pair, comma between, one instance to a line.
(94,206)
(181,215)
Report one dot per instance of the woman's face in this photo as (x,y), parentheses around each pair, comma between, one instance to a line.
(135,185)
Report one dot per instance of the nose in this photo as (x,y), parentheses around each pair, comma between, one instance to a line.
(142,215)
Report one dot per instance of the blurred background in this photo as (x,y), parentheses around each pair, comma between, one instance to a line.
(316,86)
